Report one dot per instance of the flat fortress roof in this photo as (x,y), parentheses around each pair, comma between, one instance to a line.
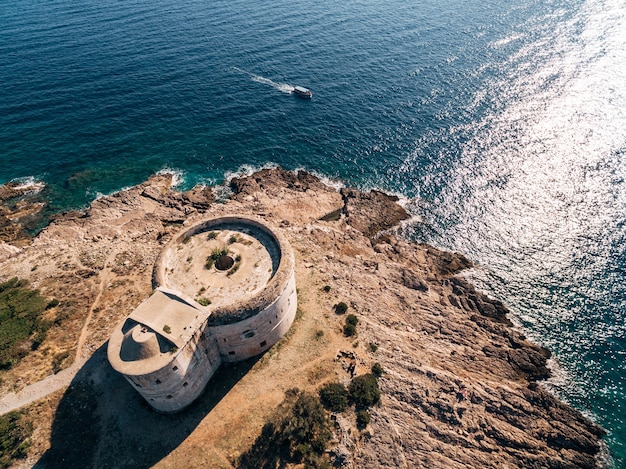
(168,315)
(143,341)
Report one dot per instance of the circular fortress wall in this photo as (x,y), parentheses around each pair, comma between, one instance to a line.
(241,273)
(225,291)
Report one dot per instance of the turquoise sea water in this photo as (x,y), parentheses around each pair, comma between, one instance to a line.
(502,123)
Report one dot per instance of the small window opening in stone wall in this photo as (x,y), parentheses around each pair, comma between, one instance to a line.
(264,343)
(248,334)
(185,384)
(175,368)
(169,396)
(158,381)
(231,353)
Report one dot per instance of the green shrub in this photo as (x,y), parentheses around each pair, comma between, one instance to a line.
(373,347)
(362,419)
(326,288)
(349,330)
(334,396)
(204,301)
(167,329)
(341,308)
(301,451)
(377,370)
(216,253)
(233,239)
(364,391)
(211,235)
(308,424)
(319,334)
(14,435)
(21,320)
(352,319)
(298,432)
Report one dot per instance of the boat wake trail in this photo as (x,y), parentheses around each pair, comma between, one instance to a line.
(282,87)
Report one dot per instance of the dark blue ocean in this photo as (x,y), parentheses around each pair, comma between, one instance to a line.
(502,123)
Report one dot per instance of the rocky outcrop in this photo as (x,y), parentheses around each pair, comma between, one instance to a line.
(460,387)
(272,181)
(18,202)
(372,212)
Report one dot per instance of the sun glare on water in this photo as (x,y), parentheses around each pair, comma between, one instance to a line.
(538,198)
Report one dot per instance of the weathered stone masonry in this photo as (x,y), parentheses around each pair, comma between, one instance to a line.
(199,316)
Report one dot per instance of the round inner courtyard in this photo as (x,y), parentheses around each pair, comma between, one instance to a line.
(221,264)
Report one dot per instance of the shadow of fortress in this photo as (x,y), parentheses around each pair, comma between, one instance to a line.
(102,422)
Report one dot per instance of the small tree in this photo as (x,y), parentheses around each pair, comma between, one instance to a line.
(349,330)
(352,319)
(308,424)
(334,396)
(362,419)
(297,433)
(364,391)
(377,370)
(341,308)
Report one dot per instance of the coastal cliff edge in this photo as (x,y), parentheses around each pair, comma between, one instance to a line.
(461,386)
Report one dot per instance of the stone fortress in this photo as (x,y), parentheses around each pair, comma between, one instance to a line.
(225,291)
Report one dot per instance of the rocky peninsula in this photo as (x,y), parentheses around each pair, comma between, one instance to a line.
(461,386)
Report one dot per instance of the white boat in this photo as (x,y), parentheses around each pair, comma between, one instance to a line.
(302,92)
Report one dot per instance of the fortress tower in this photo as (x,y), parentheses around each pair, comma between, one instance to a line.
(225,292)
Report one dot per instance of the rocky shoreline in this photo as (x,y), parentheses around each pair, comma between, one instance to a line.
(460,387)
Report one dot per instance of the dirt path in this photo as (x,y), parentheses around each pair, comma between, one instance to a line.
(40,389)
(105,277)
(52,383)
